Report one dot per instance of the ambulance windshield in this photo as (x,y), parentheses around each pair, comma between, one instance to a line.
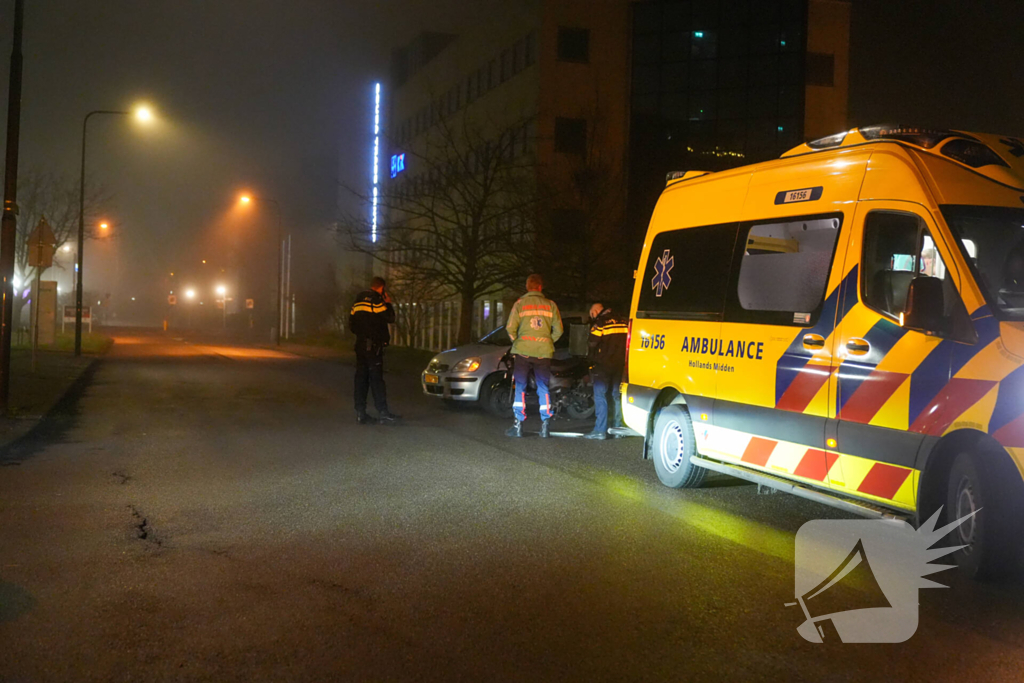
(991,239)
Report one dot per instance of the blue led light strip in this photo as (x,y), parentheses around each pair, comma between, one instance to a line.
(376,158)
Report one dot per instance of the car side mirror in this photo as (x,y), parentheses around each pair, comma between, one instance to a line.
(925,309)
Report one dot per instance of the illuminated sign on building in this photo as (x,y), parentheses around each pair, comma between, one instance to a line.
(397,164)
(376,160)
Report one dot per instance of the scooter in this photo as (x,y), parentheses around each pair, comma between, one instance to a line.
(572,394)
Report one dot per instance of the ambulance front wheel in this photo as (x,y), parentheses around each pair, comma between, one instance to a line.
(983,487)
(673,444)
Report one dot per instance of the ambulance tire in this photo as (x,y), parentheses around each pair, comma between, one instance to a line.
(983,483)
(673,444)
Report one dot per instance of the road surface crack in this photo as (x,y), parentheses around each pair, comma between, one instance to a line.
(122,477)
(143,531)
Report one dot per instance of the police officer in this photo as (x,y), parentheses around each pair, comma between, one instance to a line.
(369,319)
(534,326)
(607,355)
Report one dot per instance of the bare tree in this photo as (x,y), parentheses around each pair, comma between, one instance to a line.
(45,193)
(461,221)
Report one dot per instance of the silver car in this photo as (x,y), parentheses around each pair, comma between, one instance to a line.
(471,371)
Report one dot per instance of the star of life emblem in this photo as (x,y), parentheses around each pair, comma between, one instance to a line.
(536,323)
(662,268)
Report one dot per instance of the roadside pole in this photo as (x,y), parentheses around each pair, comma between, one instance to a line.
(8,223)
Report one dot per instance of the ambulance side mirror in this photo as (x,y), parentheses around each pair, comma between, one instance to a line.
(924,309)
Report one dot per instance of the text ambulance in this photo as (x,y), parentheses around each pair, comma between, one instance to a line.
(845,323)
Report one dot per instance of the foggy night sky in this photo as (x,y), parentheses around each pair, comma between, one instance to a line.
(274,96)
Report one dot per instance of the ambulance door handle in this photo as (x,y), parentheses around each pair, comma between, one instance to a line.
(814,342)
(858,347)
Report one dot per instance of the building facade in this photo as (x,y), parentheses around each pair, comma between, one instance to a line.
(599,101)
(544,81)
(722,83)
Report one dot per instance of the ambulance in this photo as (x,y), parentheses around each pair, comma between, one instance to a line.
(844,323)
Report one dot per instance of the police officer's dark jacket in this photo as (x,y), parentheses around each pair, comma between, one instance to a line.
(370,317)
(607,342)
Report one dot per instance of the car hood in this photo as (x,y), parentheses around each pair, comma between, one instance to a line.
(489,355)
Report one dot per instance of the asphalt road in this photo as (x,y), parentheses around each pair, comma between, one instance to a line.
(214,513)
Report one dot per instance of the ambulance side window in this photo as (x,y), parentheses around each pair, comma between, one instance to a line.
(897,249)
(783,270)
(686,273)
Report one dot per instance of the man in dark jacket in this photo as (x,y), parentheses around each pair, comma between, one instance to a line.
(607,356)
(369,319)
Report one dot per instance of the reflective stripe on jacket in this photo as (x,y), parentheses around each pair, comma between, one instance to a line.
(370,317)
(607,342)
(534,324)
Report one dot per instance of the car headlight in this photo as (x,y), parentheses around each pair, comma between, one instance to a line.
(467,365)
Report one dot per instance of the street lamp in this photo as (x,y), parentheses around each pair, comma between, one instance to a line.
(248,199)
(143,114)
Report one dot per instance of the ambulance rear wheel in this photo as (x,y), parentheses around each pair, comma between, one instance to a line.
(673,444)
(984,484)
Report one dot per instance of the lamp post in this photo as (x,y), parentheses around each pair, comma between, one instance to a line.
(222,292)
(144,115)
(247,199)
(8,223)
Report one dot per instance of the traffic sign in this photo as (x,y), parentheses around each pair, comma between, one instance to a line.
(249,303)
(172,300)
(41,245)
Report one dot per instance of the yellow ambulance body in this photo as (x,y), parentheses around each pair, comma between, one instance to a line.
(845,323)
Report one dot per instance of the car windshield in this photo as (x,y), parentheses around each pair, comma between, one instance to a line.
(991,239)
(497,337)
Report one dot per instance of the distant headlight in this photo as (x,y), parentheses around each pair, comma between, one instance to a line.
(467,365)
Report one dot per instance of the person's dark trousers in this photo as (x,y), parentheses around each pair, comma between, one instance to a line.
(606,382)
(542,375)
(370,375)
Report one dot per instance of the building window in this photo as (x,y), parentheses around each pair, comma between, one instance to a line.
(820,69)
(571,136)
(573,44)
(530,50)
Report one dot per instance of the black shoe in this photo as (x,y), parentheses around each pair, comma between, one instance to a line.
(545,431)
(515,430)
(596,435)
(388,418)
(363,419)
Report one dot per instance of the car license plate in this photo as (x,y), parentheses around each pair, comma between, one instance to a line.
(430,379)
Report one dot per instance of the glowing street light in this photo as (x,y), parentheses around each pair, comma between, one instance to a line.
(144,115)
(190,294)
(104,225)
(222,290)
(244,199)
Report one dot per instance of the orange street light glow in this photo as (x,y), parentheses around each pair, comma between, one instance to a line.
(245,199)
(104,225)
